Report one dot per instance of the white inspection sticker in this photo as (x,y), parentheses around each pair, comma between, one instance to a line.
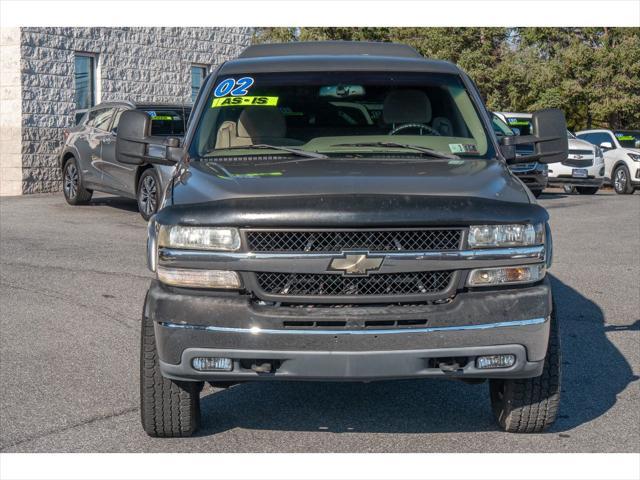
(463,148)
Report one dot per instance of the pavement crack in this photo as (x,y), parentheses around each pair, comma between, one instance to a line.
(73,270)
(112,315)
(55,431)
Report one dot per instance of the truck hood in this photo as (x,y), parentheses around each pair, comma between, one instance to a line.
(208,181)
(354,193)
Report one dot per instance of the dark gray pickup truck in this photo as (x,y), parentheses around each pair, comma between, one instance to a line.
(88,158)
(344,212)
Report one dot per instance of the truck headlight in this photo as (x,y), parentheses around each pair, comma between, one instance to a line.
(517,235)
(506,275)
(195,278)
(199,238)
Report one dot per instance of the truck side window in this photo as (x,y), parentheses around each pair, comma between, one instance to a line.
(103,118)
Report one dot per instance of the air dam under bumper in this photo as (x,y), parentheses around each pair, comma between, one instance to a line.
(511,321)
(578,182)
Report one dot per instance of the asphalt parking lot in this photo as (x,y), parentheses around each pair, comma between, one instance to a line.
(72,285)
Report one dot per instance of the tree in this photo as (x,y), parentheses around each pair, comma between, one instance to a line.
(592,73)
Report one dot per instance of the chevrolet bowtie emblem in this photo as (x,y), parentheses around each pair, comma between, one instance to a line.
(356,263)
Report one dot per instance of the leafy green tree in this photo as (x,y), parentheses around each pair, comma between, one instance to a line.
(592,73)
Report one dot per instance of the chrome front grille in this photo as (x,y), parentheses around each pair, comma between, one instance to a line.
(336,285)
(579,158)
(337,241)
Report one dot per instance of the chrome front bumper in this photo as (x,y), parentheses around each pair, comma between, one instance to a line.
(476,323)
(354,366)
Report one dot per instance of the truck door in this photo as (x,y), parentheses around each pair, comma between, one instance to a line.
(118,176)
(99,128)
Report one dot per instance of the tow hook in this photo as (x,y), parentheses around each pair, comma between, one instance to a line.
(262,367)
(449,367)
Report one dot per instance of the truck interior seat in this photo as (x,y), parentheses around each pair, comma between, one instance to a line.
(227,134)
(255,125)
(406,106)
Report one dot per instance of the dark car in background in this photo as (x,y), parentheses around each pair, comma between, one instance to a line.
(534,175)
(89,162)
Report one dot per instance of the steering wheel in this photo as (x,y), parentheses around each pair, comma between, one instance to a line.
(420,126)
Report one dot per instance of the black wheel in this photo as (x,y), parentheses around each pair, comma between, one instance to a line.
(587,190)
(530,405)
(148,193)
(167,408)
(536,192)
(74,192)
(621,181)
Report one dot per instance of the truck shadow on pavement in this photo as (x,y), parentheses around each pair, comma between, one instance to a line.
(553,195)
(120,203)
(594,372)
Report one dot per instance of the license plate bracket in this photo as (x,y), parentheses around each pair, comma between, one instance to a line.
(579,173)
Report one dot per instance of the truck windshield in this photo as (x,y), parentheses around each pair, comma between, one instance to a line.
(341,113)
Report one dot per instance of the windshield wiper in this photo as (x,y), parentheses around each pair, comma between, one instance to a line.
(264,146)
(417,148)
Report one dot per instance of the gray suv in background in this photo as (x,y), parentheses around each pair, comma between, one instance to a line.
(89,162)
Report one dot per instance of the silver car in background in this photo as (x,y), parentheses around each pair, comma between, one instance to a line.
(89,162)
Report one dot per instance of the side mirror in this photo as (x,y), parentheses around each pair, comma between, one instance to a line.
(606,145)
(549,139)
(135,145)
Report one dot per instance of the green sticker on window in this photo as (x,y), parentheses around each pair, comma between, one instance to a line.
(245,101)
(162,117)
(515,121)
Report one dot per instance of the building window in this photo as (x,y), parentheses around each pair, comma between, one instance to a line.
(85,83)
(198,73)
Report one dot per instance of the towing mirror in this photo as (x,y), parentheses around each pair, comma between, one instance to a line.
(549,139)
(135,145)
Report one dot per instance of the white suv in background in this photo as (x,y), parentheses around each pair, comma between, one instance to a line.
(621,156)
(583,170)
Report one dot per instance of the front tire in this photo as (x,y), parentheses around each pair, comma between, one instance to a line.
(587,190)
(621,181)
(148,193)
(530,405)
(167,408)
(74,192)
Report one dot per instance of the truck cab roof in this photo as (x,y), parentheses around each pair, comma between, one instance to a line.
(334,56)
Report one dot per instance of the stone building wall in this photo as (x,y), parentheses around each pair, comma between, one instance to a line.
(10,113)
(136,64)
